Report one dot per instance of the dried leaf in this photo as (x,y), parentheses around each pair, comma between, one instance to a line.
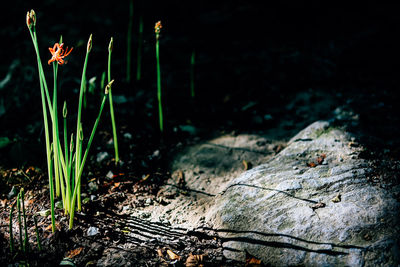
(246,165)
(318,206)
(159,252)
(251,260)
(195,260)
(72,253)
(144,178)
(172,255)
(311,164)
(116,185)
(337,198)
(3,202)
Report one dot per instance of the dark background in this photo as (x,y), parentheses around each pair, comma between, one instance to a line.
(246,51)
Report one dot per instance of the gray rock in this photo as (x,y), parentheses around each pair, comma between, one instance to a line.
(101,156)
(92,231)
(273,211)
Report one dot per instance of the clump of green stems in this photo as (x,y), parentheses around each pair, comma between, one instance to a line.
(192,65)
(129,43)
(139,50)
(114,128)
(160,111)
(65,168)
(22,223)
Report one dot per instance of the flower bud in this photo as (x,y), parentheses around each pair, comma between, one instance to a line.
(111,45)
(108,87)
(71,144)
(80,132)
(89,44)
(158,27)
(33,17)
(65,110)
(29,21)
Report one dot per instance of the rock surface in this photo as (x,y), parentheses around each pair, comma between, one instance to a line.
(308,204)
(275,211)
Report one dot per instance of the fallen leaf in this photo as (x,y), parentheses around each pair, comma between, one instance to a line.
(72,253)
(311,164)
(3,202)
(117,175)
(246,165)
(195,260)
(116,185)
(318,206)
(172,255)
(144,178)
(337,198)
(251,260)
(159,252)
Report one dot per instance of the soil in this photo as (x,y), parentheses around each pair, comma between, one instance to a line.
(260,71)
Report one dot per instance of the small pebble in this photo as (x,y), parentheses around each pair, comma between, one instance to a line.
(127,136)
(101,156)
(12,193)
(44,213)
(59,205)
(92,231)
(148,202)
(110,175)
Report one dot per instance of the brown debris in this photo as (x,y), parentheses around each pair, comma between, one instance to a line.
(318,206)
(195,260)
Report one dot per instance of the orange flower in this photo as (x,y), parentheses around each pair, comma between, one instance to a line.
(158,27)
(58,53)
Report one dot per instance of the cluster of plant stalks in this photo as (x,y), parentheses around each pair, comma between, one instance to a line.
(65,161)
(22,223)
(157,29)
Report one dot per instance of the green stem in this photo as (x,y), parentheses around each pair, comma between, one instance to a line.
(78,124)
(192,64)
(26,240)
(43,86)
(19,222)
(160,112)
(67,172)
(139,51)
(37,233)
(114,127)
(11,229)
(55,131)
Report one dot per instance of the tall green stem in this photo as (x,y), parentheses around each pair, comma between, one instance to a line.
(192,64)
(11,229)
(37,234)
(139,51)
(55,131)
(43,88)
(19,221)
(160,112)
(78,123)
(114,127)
(26,239)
